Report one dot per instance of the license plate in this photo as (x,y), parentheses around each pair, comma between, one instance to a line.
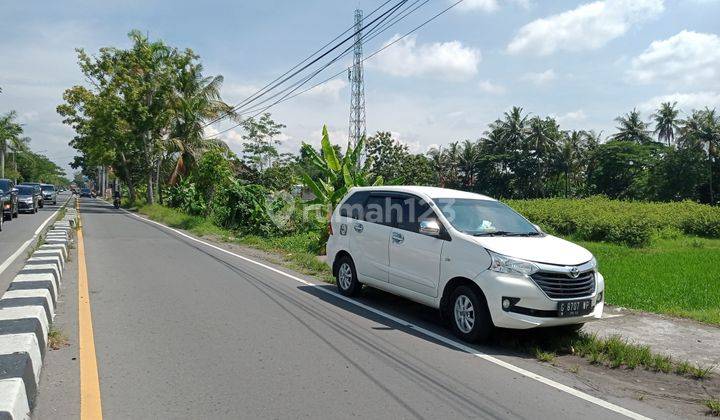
(574,307)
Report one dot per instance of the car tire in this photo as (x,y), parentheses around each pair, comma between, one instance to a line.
(468,315)
(346,277)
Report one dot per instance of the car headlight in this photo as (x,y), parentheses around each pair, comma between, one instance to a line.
(504,264)
(594,264)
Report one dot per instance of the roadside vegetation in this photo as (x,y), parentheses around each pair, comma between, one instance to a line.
(18,162)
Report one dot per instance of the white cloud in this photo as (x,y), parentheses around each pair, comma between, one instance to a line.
(685,101)
(588,26)
(328,90)
(491,88)
(482,5)
(487,5)
(689,58)
(541,78)
(571,117)
(446,60)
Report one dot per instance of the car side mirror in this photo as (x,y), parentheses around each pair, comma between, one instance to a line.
(430,227)
(538,228)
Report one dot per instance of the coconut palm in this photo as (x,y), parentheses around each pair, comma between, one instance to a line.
(468,161)
(702,129)
(666,122)
(196,101)
(632,128)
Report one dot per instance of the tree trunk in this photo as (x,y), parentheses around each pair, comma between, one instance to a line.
(2,159)
(128,179)
(157,181)
(710,179)
(150,196)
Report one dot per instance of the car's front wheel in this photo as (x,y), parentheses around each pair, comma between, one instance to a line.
(346,277)
(469,315)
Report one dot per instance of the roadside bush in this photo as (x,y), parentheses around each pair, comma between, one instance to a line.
(243,208)
(184,196)
(624,222)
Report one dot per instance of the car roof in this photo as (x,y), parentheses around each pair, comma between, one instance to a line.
(430,192)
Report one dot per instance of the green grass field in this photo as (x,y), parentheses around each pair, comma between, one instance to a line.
(671,276)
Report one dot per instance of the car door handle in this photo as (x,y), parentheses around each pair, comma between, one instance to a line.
(398,238)
(358,227)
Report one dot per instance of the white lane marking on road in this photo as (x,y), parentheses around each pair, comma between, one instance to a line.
(453,343)
(27,243)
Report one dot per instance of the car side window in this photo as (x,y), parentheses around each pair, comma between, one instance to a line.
(378,209)
(353,206)
(414,210)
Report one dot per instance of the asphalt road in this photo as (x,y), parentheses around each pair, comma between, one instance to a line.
(15,233)
(183,330)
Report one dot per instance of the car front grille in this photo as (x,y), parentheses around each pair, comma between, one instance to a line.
(563,286)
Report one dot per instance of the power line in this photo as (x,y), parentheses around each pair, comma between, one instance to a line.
(372,33)
(275,83)
(287,98)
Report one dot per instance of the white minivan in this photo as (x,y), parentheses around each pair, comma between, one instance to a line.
(477,260)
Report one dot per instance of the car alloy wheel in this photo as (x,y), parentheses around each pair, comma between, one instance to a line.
(345,276)
(464,312)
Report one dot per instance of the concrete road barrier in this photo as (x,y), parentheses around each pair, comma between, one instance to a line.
(26,311)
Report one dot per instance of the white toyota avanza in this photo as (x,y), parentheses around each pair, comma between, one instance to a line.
(477,260)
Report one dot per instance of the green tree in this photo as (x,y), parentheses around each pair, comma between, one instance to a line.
(196,101)
(11,138)
(702,129)
(666,122)
(260,144)
(631,127)
(622,168)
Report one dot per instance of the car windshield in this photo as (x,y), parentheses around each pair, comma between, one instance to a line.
(25,190)
(48,188)
(484,217)
(5,186)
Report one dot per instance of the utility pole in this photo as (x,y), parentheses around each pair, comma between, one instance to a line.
(357,86)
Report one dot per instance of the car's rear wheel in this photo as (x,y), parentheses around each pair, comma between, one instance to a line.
(469,315)
(346,277)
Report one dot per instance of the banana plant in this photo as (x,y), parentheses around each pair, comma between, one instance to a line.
(338,176)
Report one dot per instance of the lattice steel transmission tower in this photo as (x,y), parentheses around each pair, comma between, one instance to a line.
(357,86)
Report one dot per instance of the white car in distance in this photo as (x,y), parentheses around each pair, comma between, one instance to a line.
(472,257)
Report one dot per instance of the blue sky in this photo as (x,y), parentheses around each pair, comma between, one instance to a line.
(582,62)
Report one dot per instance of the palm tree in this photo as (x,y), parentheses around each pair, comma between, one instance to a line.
(196,101)
(702,129)
(10,138)
(513,128)
(571,150)
(632,128)
(468,161)
(666,122)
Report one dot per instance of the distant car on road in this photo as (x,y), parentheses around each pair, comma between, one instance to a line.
(28,199)
(38,191)
(86,192)
(49,193)
(9,206)
(4,201)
